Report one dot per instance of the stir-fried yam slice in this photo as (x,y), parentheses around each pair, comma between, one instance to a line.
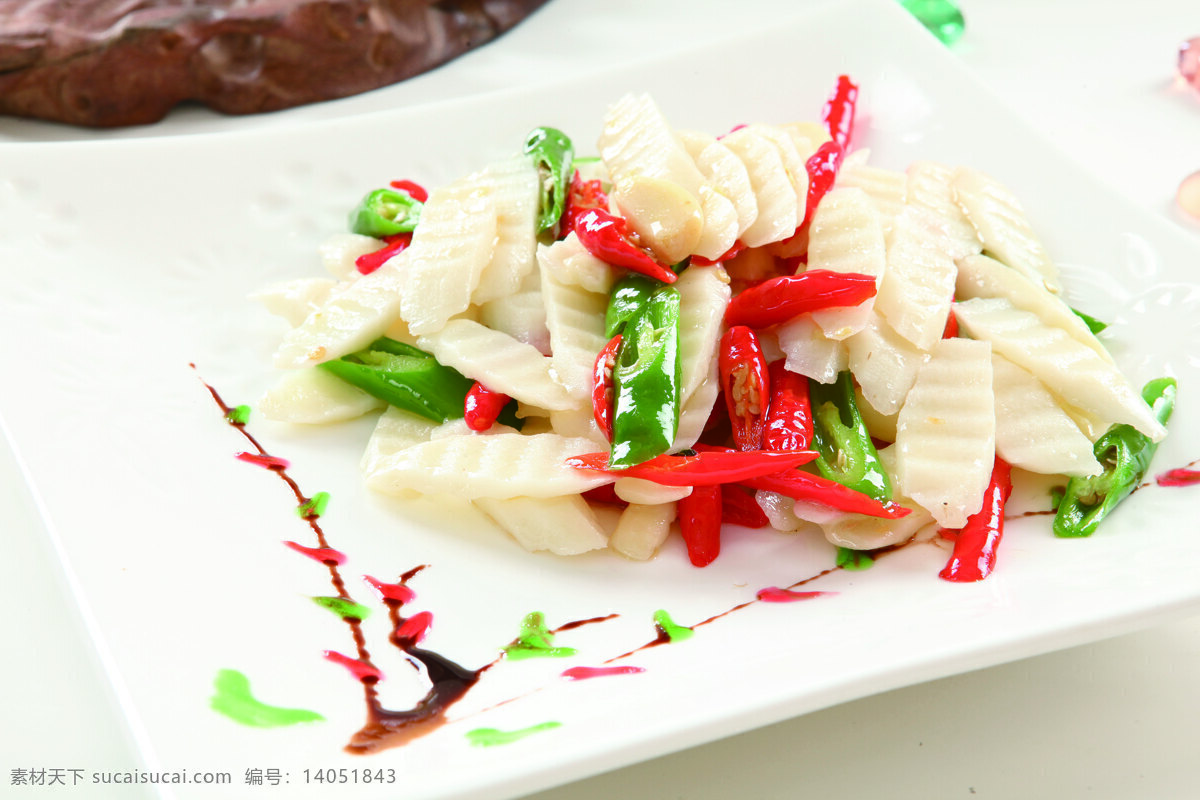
(573,265)
(725,173)
(449,250)
(982,276)
(884,363)
(918,285)
(1003,228)
(945,437)
(565,526)
(845,236)
(793,161)
(809,352)
(694,412)
(1074,372)
(521,315)
(703,295)
(575,319)
(642,529)
(313,396)
(295,300)
(340,252)
(497,465)
(396,430)
(1032,430)
(774,195)
(720,230)
(930,186)
(862,532)
(514,188)
(499,362)
(886,188)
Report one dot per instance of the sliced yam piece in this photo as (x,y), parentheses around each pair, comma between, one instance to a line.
(499,362)
(1003,228)
(573,265)
(720,230)
(703,295)
(725,173)
(578,422)
(983,276)
(449,250)
(917,287)
(1032,430)
(497,465)
(1070,369)
(861,532)
(313,396)
(774,194)
(696,410)
(886,188)
(565,526)
(793,163)
(667,218)
(945,434)
(514,189)
(396,430)
(295,300)
(884,363)
(809,352)
(639,490)
(521,315)
(845,236)
(340,252)
(575,320)
(642,529)
(930,186)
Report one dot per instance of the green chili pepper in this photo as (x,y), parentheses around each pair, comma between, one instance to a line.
(628,297)
(846,453)
(410,379)
(385,212)
(646,382)
(1125,454)
(552,153)
(1094,325)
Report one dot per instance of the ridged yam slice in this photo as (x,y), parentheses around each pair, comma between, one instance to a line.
(983,276)
(499,362)
(295,300)
(694,413)
(1032,430)
(450,248)
(720,230)
(884,363)
(313,396)
(573,265)
(930,187)
(575,319)
(945,434)
(498,465)
(725,173)
(521,315)
(793,162)
(642,529)
(395,430)
(1003,228)
(703,295)
(514,187)
(1070,369)
(809,352)
(917,287)
(845,236)
(565,526)
(886,188)
(774,194)
(340,252)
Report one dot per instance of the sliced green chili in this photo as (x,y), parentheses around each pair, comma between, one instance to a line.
(1094,325)
(1125,455)
(628,297)
(386,212)
(646,382)
(840,436)
(409,378)
(553,154)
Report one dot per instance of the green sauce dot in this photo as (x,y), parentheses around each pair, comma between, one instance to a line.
(313,507)
(536,640)
(673,631)
(234,700)
(854,560)
(239,415)
(942,17)
(346,609)
(490,737)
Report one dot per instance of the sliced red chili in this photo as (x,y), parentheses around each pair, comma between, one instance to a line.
(838,113)
(582,195)
(951,329)
(738,507)
(706,468)
(607,237)
(745,385)
(975,545)
(369,262)
(816,489)
(730,254)
(789,420)
(415,190)
(482,405)
(700,524)
(822,167)
(604,493)
(777,300)
(603,387)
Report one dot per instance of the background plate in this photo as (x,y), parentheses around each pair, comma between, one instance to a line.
(135,259)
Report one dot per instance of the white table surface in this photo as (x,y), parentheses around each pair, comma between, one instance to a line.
(1107,721)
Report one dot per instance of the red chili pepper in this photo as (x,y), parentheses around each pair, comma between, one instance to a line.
(700,524)
(789,421)
(415,190)
(777,300)
(604,493)
(482,405)
(738,507)
(1181,476)
(822,167)
(838,113)
(707,467)
(582,195)
(368,263)
(730,254)
(602,386)
(975,546)
(606,236)
(816,489)
(745,385)
(951,329)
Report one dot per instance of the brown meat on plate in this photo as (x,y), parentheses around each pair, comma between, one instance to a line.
(106,63)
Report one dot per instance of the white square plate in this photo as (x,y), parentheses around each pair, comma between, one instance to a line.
(129,262)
